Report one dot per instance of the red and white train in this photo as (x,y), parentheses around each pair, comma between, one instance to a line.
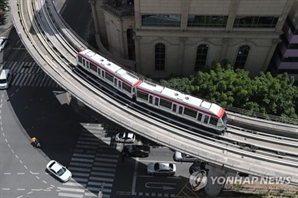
(184,106)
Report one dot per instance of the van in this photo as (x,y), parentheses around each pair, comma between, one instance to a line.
(5,78)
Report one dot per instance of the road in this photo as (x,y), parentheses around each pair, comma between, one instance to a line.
(35,105)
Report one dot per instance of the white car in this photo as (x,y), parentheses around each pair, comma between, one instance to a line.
(59,171)
(160,168)
(3,43)
(5,78)
(182,157)
(125,137)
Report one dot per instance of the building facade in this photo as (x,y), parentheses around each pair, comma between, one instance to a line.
(178,37)
(285,58)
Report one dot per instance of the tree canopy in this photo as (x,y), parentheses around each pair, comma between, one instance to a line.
(223,85)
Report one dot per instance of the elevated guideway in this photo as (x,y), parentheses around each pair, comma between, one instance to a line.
(34,33)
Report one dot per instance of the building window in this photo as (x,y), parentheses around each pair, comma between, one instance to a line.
(201,57)
(255,22)
(160,54)
(206,21)
(169,20)
(241,57)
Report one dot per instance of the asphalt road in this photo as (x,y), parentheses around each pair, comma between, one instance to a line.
(77,14)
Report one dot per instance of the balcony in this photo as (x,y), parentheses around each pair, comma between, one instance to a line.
(120,8)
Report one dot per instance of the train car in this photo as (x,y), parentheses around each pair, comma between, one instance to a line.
(109,72)
(188,107)
(184,106)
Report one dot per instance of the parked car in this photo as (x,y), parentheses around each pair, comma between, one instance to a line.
(182,157)
(159,168)
(125,137)
(136,150)
(197,167)
(5,78)
(59,171)
(3,43)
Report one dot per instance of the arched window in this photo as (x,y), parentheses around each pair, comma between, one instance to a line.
(202,52)
(160,54)
(241,57)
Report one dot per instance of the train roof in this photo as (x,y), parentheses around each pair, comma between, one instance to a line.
(149,86)
(179,97)
(111,67)
(193,101)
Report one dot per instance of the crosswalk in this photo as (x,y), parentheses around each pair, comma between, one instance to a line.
(28,74)
(93,164)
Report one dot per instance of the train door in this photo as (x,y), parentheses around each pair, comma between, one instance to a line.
(103,74)
(174,108)
(180,110)
(117,83)
(151,99)
(206,119)
(156,102)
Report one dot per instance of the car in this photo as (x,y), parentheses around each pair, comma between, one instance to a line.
(182,157)
(160,168)
(136,150)
(59,171)
(197,166)
(3,43)
(5,78)
(125,137)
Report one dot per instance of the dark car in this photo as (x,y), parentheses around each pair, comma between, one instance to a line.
(197,167)
(136,150)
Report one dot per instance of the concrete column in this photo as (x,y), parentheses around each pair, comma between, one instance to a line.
(213,189)
(138,54)
(181,55)
(283,17)
(270,53)
(138,18)
(232,14)
(224,48)
(94,15)
(184,14)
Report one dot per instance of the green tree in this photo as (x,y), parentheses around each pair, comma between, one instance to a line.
(3,6)
(276,95)
(223,85)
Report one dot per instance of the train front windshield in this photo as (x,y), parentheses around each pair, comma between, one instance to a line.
(225,118)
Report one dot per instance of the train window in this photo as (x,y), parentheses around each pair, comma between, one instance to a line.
(174,108)
(142,95)
(115,82)
(190,112)
(213,121)
(109,77)
(84,62)
(126,87)
(165,103)
(93,67)
(180,110)
(80,59)
(206,119)
(200,117)
(156,101)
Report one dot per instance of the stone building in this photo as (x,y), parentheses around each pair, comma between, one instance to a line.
(285,58)
(178,37)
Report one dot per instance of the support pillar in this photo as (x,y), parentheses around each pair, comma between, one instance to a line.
(94,15)
(224,48)
(270,53)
